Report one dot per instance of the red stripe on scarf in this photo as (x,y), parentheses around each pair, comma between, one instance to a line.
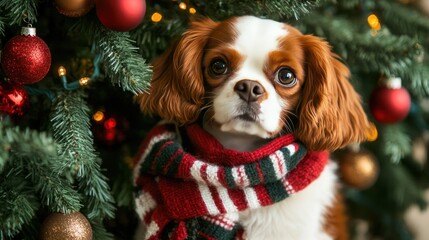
(300,179)
(183,200)
(238,198)
(263,196)
(213,151)
(218,201)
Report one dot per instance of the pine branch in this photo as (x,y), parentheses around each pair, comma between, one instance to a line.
(99,201)
(416,80)
(396,143)
(275,9)
(99,232)
(154,38)
(5,142)
(30,172)
(348,4)
(19,204)
(20,11)
(403,20)
(123,190)
(71,127)
(122,63)
(36,154)
(362,49)
(2,25)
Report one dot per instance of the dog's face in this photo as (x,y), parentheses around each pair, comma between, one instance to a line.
(251,76)
(253,70)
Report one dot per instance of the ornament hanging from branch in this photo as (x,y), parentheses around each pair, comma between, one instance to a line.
(66,226)
(26,58)
(358,167)
(13,99)
(120,15)
(74,8)
(390,103)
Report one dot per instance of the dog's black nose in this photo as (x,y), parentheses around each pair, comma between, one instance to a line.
(249,90)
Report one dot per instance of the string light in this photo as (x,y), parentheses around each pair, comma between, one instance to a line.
(182,6)
(62,71)
(373,22)
(84,81)
(98,116)
(192,10)
(156,17)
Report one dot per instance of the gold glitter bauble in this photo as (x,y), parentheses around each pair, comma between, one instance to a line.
(358,169)
(74,8)
(72,226)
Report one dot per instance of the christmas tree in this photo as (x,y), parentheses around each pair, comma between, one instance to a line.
(69,128)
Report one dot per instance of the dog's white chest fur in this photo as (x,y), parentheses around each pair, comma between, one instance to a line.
(299,217)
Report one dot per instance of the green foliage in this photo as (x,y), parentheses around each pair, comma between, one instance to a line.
(416,80)
(30,175)
(276,9)
(122,63)
(395,142)
(122,190)
(361,48)
(154,38)
(2,25)
(401,20)
(19,12)
(18,201)
(71,127)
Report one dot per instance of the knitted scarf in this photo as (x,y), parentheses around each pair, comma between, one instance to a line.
(189,189)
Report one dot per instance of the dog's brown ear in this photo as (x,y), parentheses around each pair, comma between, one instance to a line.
(177,87)
(330,113)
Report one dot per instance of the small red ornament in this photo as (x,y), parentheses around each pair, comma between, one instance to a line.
(13,99)
(120,15)
(390,103)
(26,58)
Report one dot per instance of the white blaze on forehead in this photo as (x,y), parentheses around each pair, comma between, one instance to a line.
(256,38)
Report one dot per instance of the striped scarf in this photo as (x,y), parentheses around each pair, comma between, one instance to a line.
(180,195)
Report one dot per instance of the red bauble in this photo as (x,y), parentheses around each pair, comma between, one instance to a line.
(120,15)
(13,99)
(26,58)
(390,105)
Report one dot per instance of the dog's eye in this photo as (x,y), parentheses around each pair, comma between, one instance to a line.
(218,67)
(285,77)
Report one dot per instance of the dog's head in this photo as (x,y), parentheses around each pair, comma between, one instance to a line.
(257,77)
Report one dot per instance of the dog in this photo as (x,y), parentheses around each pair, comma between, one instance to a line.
(248,80)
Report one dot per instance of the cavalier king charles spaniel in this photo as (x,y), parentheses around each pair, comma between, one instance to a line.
(248,80)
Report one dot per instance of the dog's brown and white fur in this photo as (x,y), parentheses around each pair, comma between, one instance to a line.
(247,80)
